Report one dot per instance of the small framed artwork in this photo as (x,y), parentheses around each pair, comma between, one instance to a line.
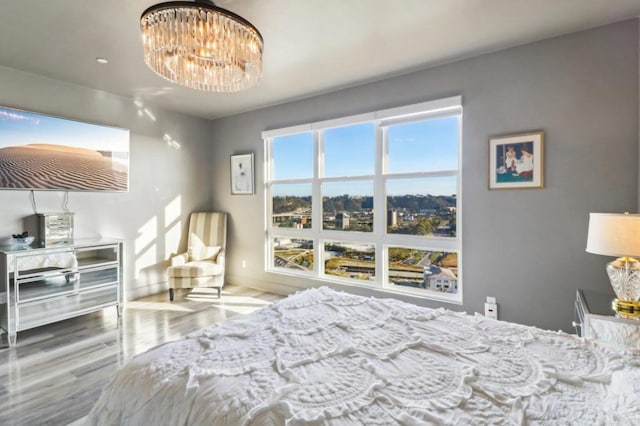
(516,161)
(242,174)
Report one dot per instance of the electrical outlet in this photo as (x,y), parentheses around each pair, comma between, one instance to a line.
(244,264)
(491,309)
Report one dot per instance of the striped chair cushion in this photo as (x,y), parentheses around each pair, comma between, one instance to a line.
(198,253)
(195,269)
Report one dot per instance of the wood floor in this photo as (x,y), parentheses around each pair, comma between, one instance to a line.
(56,372)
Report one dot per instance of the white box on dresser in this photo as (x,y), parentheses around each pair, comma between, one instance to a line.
(39,286)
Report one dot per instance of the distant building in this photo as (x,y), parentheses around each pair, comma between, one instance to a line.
(392,218)
(440,279)
(443,230)
(293,220)
(342,220)
(281,242)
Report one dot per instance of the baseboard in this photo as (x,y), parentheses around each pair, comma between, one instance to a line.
(285,289)
(146,290)
(270,286)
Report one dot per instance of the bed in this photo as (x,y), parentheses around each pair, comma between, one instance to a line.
(327,357)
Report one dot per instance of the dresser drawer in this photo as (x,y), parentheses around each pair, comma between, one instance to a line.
(97,277)
(32,289)
(620,333)
(33,314)
(596,319)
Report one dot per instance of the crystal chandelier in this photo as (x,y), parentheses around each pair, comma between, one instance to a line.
(201,46)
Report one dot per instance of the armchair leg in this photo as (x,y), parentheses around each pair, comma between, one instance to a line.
(171,294)
(219,292)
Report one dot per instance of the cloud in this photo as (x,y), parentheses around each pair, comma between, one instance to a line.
(15,115)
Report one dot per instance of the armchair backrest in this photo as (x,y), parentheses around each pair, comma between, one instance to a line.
(207,229)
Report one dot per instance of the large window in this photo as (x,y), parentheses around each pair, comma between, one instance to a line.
(373,198)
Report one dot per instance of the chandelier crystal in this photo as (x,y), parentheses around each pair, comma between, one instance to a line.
(201,46)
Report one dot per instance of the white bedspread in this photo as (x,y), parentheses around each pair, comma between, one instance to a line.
(325,357)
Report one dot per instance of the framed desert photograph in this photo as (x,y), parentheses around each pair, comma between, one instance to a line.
(242,174)
(516,161)
(41,152)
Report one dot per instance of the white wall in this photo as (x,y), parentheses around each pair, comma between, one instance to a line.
(526,247)
(166,183)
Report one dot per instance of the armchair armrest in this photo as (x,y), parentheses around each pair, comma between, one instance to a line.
(220,258)
(180,259)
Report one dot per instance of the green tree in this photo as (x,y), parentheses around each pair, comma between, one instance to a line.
(399,254)
(424,227)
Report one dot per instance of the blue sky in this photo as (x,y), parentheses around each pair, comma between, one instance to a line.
(349,151)
(23,128)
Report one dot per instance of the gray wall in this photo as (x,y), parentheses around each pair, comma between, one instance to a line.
(526,247)
(166,184)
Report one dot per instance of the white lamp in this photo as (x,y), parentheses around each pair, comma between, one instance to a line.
(618,235)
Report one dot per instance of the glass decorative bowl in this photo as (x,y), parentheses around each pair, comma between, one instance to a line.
(23,242)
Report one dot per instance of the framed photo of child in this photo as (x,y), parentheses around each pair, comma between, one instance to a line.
(516,161)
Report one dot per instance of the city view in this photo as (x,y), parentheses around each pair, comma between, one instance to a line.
(430,270)
(424,215)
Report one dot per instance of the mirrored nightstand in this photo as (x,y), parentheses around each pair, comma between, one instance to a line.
(596,319)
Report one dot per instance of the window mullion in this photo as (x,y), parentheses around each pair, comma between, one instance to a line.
(379,205)
(316,203)
(296,180)
(268,206)
(440,173)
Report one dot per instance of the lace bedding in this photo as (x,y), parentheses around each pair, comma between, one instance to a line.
(326,357)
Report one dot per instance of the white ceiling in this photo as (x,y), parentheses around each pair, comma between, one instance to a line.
(311,46)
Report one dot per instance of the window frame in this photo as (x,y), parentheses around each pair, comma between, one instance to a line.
(378,237)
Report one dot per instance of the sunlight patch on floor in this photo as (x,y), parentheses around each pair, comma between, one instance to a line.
(228,302)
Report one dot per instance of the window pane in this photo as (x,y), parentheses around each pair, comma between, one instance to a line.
(430,270)
(347,260)
(424,146)
(349,151)
(422,206)
(347,206)
(291,205)
(293,156)
(292,253)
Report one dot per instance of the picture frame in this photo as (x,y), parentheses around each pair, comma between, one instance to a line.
(242,174)
(516,161)
(40,152)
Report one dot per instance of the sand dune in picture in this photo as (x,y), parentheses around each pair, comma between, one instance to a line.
(47,166)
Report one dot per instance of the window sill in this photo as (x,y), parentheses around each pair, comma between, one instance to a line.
(454,299)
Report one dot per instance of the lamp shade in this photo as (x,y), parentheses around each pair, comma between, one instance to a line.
(613,234)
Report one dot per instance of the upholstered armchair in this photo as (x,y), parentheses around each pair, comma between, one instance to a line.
(203,263)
